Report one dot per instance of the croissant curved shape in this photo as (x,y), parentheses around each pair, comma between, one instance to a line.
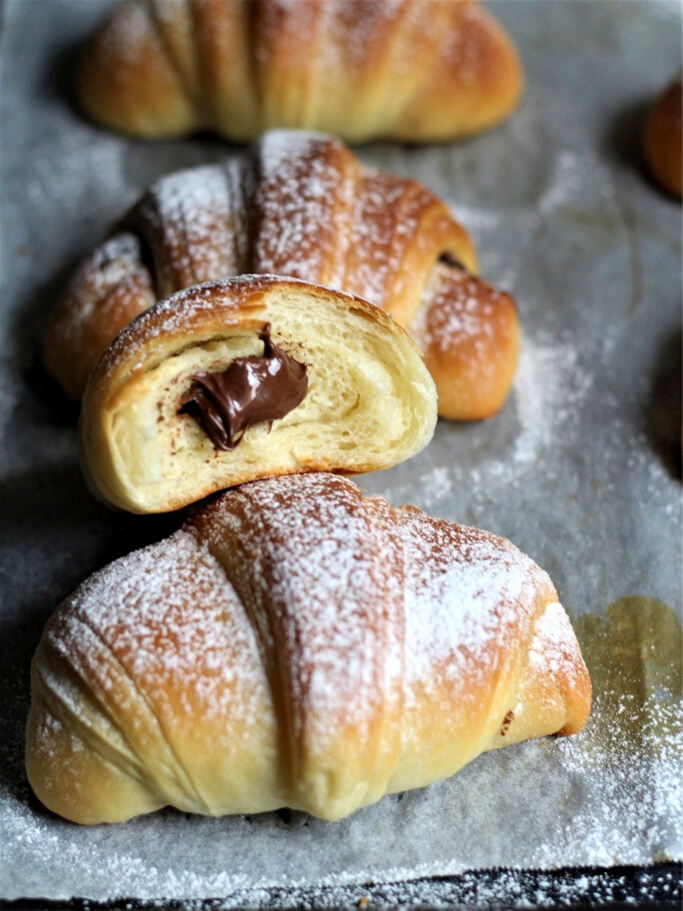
(295,644)
(254,376)
(300,204)
(416,70)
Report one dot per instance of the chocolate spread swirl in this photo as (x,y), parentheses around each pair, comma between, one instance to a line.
(261,387)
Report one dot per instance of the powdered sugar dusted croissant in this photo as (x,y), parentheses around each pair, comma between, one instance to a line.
(295,644)
(231,381)
(300,204)
(417,70)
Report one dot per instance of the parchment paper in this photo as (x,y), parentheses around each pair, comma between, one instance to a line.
(581,469)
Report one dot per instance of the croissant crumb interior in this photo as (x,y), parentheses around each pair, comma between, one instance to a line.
(368,403)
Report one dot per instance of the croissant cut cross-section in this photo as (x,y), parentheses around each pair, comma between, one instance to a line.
(368,401)
(296,644)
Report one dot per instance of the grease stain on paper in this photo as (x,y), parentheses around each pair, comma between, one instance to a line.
(634,655)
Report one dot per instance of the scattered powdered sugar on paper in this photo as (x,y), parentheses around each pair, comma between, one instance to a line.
(636,779)
(573,175)
(485,889)
(436,483)
(69,168)
(549,387)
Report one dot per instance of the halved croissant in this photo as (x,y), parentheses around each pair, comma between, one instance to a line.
(295,644)
(231,381)
(416,70)
(300,204)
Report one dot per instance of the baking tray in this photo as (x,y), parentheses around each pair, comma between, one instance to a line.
(581,469)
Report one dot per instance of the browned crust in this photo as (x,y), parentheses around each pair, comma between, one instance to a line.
(199,313)
(474,82)
(371,233)
(116,729)
(109,289)
(416,70)
(663,139)
(192,317)
(470,343)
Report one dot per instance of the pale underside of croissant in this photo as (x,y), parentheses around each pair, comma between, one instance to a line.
(300,205)
(295,644)
(416,70)
(230,381)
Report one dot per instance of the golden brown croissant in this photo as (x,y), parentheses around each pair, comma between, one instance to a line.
(295,644)
(663,139)
(230,381)
(300,204)
(416,70)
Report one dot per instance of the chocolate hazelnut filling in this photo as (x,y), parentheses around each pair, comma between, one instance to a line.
(254,389)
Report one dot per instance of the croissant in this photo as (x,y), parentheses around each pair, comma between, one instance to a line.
(415,70)
(300,204)
(295,644)
(254,376)
(663,139)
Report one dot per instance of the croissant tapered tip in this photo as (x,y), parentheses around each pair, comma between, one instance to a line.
(556,654)
(126,80)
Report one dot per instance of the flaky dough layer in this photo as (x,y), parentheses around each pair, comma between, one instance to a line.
(416,70)
(300,204)
(370,401)
(296,644)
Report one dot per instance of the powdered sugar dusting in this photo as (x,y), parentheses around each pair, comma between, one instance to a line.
(481,889)
(300,205)
(471,325)
(318,573)
(172,620)
(385,227)
(155,640)
(339,44)
(635,776)
(554,645)
(304,183)
(549,387)
(467,593)
(125,41)
(192,220)
(311,569)
(114,269)
(606,476)
(466,317)
(571,763)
